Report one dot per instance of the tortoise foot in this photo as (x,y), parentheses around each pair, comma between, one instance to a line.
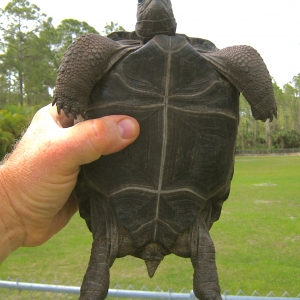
(69,107)
(96,279)
(206,283)
(93,294)
(207,295)
(95,287)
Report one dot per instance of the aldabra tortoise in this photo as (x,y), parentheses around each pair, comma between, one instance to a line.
(162,194)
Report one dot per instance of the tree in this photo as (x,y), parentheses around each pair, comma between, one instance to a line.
(252,134)
(69,30)
(292,106)
(32,50)
(23,22)
(296,81)
(112,27)
(53,43)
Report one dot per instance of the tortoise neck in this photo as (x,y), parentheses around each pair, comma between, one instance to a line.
(155,17)
(146,30)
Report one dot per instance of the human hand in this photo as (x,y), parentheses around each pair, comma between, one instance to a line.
(37,179)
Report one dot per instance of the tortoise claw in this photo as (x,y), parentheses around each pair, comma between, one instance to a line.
(59,107)
(75,112)
(69,107)
(66,110)
(271,118)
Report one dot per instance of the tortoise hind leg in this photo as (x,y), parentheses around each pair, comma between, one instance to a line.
(96,279)
(206,285)
(104,250)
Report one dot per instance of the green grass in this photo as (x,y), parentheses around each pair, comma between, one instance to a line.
(258,235)
(257,240)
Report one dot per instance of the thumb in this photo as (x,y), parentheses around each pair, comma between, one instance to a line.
(92,138)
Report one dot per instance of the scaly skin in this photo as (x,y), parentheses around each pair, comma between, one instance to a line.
(246,70)
(84,63)
(202,252)
(104,250)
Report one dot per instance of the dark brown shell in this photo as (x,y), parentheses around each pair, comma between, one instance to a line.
(184,156)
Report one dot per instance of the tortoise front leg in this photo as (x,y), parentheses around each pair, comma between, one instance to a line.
(246,70)
(84,63)
(206,285)
(104,250)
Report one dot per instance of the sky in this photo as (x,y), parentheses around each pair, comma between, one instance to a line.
(272,27)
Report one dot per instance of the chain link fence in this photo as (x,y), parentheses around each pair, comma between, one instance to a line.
(16,290)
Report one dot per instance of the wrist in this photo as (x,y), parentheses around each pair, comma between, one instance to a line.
(11,231)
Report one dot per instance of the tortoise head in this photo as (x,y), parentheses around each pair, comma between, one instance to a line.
(154,17)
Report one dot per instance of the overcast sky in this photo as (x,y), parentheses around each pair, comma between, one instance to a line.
(270,26)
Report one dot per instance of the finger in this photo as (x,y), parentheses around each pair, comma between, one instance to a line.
(88,140)
(50,118)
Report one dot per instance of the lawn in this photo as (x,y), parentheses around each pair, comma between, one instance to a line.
(257,240)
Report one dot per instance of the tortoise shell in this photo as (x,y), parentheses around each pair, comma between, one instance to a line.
(188,114)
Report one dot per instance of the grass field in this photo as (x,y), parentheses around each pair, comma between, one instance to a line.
(257,240)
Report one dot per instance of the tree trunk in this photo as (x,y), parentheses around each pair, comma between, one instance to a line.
(28,100)
(255,134)
(21,66)
(299,112)
(21,87)
(268,135)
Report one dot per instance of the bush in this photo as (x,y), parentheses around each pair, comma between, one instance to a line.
(286,139)
(13,121)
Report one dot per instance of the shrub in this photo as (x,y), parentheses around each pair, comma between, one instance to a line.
(286,139)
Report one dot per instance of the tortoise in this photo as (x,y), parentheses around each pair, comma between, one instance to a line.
(163,193)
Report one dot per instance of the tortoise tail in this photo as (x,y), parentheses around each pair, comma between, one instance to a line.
(152,267)
(152,254)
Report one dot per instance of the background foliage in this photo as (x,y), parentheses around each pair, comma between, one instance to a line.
(13,121)
(31,48)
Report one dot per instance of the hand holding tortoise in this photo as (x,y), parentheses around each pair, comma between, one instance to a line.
(37,179)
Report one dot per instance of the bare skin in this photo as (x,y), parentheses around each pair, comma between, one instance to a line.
(37,179)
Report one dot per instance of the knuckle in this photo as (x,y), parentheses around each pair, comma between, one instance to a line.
(100,137)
